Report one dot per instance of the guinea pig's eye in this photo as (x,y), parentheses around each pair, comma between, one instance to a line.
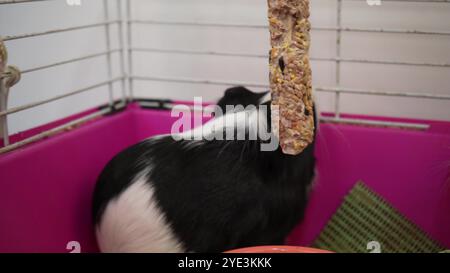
(281,64)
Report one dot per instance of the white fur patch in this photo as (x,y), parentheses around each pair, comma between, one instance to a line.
(134,223)
(267,97)
(254,120)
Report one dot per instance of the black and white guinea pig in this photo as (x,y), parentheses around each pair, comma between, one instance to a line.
(167,195)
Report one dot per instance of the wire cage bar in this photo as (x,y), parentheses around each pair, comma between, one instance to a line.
(125,22)
(108,49)
(53,31)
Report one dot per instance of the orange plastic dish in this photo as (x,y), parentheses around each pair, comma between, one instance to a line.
(278,249)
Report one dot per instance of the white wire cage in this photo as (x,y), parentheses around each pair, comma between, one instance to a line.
(122,26)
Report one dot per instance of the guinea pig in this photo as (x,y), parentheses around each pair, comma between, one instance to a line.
(168,194)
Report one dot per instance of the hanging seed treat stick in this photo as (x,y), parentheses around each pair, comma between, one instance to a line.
(290,74)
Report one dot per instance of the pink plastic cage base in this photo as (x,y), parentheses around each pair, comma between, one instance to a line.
(46,187)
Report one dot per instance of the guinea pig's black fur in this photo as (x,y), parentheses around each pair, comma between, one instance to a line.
(240,95)
(201,195)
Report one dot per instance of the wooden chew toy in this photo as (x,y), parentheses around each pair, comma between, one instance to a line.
(290,74)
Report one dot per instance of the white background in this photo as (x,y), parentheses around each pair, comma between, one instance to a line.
(46,15)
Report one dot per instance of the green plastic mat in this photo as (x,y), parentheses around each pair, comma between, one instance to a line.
(366,223)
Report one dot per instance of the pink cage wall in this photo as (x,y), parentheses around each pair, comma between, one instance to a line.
(46,187)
